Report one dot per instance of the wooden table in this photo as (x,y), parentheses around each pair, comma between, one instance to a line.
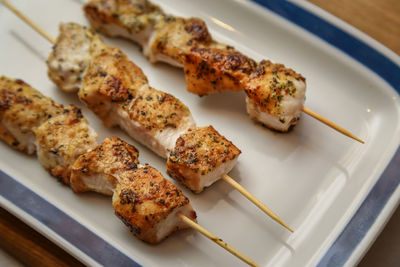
(378,18)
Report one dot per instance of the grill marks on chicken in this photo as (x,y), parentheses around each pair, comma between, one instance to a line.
(70,56)
(62,139)
(96,169)
(22,111)
(174,37)
(142,198)
(67,147)
(275,95)
(110,80)
(118,92)
(209,70)
(147,203)
(35,123)
(200,157)
(209,66)
(124,18)
(162,37)
(120,95)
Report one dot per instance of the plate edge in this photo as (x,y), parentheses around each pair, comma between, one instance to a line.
(61,224)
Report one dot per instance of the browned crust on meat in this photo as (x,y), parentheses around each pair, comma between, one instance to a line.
(24,108)
(66,136)
(143,198)
(212,70)
(71,38)
(157,110)
(198,152)
(110,78)
(121,13)
(114,78)
(112,157)
(268,83)
(177,36)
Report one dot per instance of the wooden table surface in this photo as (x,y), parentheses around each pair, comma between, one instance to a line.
(379,19)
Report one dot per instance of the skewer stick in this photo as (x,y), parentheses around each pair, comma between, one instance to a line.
(330,124)
(224,176)
(253,199)
(215,239)
(28,21)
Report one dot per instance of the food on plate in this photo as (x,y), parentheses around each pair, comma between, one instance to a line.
(119,93)
(67,147)
(149,204)
(275,94)
(96,169)
(70,57)
(62,139)
(114,90)
(142,198)
(22,111)
(203,155)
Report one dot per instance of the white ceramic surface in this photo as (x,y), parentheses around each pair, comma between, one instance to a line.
(313,177)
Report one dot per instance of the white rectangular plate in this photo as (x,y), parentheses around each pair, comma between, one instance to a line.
(332,190)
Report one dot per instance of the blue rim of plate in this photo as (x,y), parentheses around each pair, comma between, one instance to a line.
(62,224)
(107,255)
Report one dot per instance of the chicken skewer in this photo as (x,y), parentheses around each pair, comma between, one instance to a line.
(275,94)
(75,73)
(118,92)
(61,136)
(150,205)
(58,134)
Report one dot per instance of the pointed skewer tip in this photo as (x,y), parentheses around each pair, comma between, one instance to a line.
(216,240)
(255,201)
(331,124)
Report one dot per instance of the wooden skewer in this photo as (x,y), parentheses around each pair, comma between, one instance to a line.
(215,239)
(258,203)
(330,124)
(228,179)
(28,21)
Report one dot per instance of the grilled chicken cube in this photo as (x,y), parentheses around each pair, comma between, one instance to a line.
(148,203)
(209,66)
(142,198)
(212,70)
(275,96)
(70,56)
(62,139)
(174,37)
(133,20)
(22,110)
(97,170)
(118,92)
(162,37)
(111,78)
(200,157)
